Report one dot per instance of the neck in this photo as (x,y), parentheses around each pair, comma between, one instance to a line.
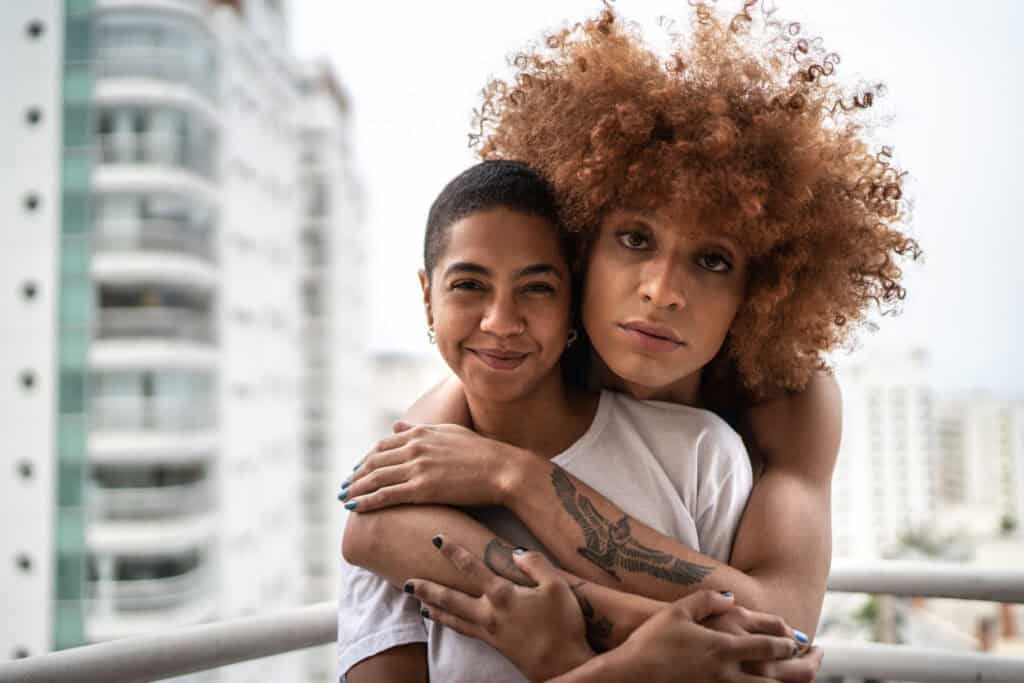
(684,391)
(547,421)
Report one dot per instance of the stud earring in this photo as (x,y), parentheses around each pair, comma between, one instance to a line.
(573,336)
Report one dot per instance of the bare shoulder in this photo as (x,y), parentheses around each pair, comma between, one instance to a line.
(799,431)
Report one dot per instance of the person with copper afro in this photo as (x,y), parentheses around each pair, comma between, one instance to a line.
(736,224)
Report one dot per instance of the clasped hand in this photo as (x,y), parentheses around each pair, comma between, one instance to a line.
(433,464)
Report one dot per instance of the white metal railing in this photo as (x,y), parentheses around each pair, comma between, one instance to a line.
(166,322)
(149,502)
(199,648)
(153,234)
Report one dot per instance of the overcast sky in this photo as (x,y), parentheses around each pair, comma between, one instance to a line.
(414,71)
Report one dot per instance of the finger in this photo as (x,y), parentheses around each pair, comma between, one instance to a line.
(480,577)
(400,426)
(453,622)
(378,478)
(462,605)
(703,604)
(743,677)
(767,624)
(388,496)
(376,460)
(536,566)
(758,648)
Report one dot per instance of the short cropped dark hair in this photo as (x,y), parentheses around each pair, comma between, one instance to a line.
(489,185)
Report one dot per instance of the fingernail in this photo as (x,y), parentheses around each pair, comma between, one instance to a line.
(357,465)
(425,613)
(408,587)
(342,495)
(795,651)
(520,551)
(436,540)
(800,636)
(727,594)
(351,505)
(344,484)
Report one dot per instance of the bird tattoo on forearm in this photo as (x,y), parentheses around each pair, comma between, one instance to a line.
(611,546)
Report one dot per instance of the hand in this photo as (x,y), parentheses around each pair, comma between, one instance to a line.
(673,639)
(540,629)
(741,621)
(437,464)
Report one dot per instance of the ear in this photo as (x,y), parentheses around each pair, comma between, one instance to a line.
(425,286)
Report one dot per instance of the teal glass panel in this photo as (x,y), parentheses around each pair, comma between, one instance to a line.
(70,576)
(77,126)
(74,349)
(71,437)
(74,7)
(77,34)
(71,530)
(74,258)
(69,625)
(75,295)
(77,84)
(76,213)
(72,392)
(76,172)
(70,485)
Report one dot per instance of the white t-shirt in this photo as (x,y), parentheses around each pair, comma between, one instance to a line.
(680,470)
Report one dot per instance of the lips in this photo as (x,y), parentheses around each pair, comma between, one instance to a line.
(499,359)
(651,336)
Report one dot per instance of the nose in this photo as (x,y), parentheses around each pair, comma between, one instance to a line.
(662,284)
(503,318)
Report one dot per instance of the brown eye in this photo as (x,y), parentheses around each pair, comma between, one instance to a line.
(716,263)
(634,239)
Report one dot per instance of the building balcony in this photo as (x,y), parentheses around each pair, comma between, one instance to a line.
(152,502)
(153,235)
(151,414)
(157,149)
(151,62)
(155,322)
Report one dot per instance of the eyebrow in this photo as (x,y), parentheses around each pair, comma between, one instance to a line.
(533,269)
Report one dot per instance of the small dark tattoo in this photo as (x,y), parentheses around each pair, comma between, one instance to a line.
(610,545)
(598,629)
(498,558)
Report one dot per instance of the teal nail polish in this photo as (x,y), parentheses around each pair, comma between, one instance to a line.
(342,494)
(345,484)
(351,505)
(437,541)
(727,594)
(800,636)
(358,464)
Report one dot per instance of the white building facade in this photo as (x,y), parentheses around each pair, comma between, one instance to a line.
(156,348)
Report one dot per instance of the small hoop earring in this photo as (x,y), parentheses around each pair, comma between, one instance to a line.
(573,336)
(430,335)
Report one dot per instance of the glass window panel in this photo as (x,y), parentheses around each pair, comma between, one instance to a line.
(69,484)
(77,84)
(72,391)
(71,530)
(74,348)
(75,207)
(76,169)
(74,257)
(76,125)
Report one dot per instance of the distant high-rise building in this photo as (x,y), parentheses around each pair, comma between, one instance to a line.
(885,484)
(166,384)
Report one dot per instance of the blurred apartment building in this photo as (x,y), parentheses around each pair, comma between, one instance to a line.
(915,464)
(179,254)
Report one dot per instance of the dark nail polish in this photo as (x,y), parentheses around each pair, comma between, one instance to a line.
(408,587)
(425,613)
(800,636)
(437,541)
(351,505)
(727,594)
(342,495)
(358,464)
(344,484)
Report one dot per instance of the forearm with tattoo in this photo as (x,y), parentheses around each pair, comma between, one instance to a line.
(599,629)
(610,545)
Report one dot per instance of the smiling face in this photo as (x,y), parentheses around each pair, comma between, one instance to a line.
(659,299)
(498,300)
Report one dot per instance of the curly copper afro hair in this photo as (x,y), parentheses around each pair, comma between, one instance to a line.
(742,124)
